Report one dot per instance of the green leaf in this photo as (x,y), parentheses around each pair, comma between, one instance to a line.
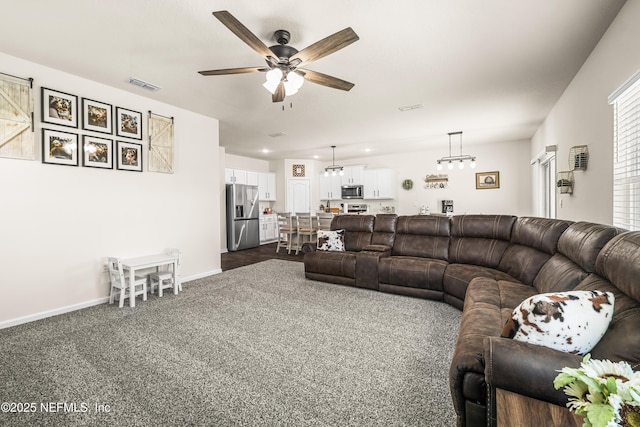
(611,385)
(562,380)
(600,414)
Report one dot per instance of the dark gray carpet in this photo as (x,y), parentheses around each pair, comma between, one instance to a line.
(258,345)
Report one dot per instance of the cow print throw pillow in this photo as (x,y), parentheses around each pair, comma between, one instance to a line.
(330,240)
(572,321)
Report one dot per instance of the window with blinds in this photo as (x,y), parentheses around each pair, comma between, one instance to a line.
(626,155)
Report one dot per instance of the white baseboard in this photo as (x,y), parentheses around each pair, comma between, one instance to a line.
(201,275)
(80,306)
(50,313)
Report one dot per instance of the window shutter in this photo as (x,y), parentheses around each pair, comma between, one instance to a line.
(626,156)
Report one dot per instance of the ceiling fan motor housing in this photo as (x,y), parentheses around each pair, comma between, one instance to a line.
(283,51)
(282,36)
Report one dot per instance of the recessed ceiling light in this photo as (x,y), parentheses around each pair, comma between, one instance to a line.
(315,156)
(367,150)
(410,107)
(265,150)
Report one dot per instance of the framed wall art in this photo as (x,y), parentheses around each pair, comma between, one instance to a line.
(486,180)
(129,156)
(97,152)
(59,148)
(128,123)
(97,116)
(59,108)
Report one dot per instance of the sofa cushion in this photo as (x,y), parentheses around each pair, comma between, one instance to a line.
(413,272)
(422,236)
(618,271)
(384,230)
(479,239)
(578,247)
(582,241)
(330,240)
(572,322)
(341,264)
(458,276)
(533,242)
(358,230)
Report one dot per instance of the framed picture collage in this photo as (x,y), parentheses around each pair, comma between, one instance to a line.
(94,146)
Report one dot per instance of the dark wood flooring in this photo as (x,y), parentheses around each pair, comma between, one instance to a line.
(231,260)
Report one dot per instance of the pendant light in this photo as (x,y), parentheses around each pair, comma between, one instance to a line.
(334,169)
(459,159)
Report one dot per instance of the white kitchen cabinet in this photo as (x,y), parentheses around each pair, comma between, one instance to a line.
(379,184)
(252,178)
(235,176)
(353,175)
(267,186)
(330,187)
(268,228)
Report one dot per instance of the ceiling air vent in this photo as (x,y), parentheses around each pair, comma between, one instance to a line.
(277,134)
(143,84)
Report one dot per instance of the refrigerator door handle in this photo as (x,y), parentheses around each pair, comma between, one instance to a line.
(253,205)
(240,234)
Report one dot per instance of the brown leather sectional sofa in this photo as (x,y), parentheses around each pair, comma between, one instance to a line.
(486,265)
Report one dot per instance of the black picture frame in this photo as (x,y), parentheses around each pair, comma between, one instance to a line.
(59,148)
(129,156)
(59,108)
(128,123)
(97,116)
(97,152)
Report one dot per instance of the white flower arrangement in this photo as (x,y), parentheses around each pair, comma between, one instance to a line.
(604,393)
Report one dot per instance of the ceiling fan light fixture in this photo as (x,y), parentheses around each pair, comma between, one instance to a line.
(273,80)
(274,75)
(270,86)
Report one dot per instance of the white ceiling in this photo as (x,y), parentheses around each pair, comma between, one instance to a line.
(492,68)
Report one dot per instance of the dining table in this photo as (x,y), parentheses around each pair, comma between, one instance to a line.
(148,261)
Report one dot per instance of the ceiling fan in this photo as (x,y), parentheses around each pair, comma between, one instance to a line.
(284,75)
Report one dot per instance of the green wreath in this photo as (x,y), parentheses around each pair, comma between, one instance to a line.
(407,184)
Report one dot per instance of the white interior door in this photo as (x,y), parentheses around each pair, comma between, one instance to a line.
(298,195)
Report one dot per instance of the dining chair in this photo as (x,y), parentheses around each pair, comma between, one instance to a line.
(324,220)
(120,283)
(165,277)
(305,228)
(286,231)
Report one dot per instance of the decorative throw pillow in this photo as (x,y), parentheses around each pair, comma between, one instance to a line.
(330,240)
(572,321)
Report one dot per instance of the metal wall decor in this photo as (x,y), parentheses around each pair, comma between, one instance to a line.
(439,181)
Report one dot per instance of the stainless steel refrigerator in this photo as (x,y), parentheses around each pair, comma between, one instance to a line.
(243,224)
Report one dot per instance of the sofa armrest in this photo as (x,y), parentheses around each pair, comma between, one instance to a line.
(377,248)
(308,247)
(525,368)
(367,266)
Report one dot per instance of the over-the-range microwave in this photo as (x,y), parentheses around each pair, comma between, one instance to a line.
(352,192)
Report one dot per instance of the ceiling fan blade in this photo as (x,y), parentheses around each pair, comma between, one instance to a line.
(326,46)
(232,71)
(278,95)
(326,80)
(242,32)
